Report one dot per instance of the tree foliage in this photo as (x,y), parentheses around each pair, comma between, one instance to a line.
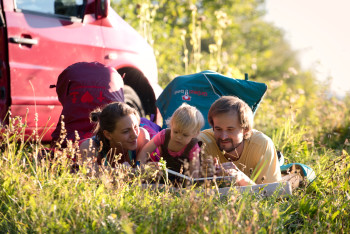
(229,36)
(232,38)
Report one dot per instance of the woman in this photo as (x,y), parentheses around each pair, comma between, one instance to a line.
(118,137)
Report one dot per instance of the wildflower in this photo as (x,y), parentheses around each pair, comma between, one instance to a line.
(101,147)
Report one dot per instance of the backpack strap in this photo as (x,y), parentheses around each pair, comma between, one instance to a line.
(173,163)
(189,147)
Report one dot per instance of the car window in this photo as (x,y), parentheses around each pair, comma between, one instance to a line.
(71,8)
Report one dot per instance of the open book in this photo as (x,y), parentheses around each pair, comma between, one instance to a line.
(193,180)
(281,187)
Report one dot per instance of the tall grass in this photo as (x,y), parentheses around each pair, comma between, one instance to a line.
(41,194)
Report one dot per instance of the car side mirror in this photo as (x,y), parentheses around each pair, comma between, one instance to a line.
(101,8)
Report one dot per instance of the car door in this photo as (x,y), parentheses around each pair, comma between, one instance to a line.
(4,96)
(44,37)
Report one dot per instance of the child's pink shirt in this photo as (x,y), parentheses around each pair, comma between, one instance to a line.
(159,140)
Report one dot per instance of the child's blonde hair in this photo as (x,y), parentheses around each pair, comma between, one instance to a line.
(187,117)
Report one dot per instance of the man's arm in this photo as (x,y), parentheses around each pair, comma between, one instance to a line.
(209,153)
(268,169)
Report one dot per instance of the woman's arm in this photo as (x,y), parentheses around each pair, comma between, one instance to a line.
(87,149)
(89,152)
(147,149)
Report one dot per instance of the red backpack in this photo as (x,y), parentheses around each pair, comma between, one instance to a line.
(81,88)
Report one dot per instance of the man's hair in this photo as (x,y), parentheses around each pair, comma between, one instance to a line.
(107,118)
(227,104)
(187,117)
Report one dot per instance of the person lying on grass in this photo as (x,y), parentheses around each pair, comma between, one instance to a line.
(118,137)
(237,145)
(177,145)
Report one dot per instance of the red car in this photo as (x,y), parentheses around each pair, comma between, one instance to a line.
(40,38)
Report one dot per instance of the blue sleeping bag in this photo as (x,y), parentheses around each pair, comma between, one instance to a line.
(203,88)
(307,172)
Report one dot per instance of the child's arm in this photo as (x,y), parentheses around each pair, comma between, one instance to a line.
(147,149)
(195,164)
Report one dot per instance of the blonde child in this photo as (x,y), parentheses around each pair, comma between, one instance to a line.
(178,143)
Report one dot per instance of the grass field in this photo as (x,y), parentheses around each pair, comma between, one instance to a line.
(41,195)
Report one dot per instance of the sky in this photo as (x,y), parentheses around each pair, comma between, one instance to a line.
(320,31)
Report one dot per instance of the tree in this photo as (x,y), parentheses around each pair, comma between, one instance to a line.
(231,37)
(226,36)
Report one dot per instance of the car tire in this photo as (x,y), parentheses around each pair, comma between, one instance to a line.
(132,99)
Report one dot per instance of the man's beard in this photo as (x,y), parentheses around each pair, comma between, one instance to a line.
(232,148)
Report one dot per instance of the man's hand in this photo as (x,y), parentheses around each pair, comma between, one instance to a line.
(230,169)
(225,168)
(126,164)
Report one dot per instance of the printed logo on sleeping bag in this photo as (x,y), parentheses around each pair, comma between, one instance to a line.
(186,97)
(192,92)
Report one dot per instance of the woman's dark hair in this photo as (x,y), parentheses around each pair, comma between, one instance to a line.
(107,119)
